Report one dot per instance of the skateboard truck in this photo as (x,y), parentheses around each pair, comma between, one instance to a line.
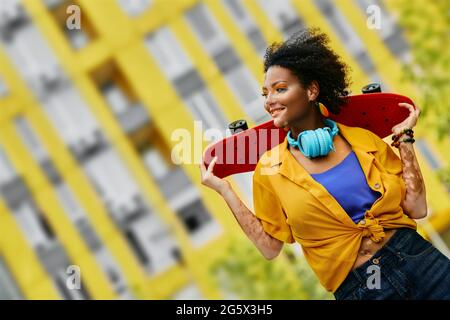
(371,88)
(238,126)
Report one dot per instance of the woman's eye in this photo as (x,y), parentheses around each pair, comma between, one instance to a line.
(264,95)
(281,89)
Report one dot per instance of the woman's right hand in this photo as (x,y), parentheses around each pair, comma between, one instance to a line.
(210,180)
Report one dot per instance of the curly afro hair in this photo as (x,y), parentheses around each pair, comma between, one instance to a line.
(308,55)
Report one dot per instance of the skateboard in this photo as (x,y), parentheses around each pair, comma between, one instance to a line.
(239,153)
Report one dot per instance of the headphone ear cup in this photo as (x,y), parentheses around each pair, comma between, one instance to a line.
(308,143)
(321,141)
(315,144)
(324,140)
(327,140)
(303,141)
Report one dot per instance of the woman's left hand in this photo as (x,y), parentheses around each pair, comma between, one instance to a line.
(410,121)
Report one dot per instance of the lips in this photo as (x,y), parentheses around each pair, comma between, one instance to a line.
(275,111)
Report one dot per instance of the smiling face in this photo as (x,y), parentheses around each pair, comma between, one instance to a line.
(286,100)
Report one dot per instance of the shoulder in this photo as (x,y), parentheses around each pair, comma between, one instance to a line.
(362,138)
(271,158)
(269,163)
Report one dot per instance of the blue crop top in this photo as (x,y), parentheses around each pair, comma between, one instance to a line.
(347,183)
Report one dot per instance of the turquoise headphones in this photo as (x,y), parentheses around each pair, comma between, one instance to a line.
(315,143)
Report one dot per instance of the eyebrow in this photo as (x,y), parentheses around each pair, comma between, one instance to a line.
(274,83)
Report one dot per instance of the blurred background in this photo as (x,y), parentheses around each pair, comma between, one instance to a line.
(91,204)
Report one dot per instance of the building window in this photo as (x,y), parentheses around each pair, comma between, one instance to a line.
(115,185)
(246,89)
(122,198)
(120,97)
(83,225)
(78,38)
(203,23)
(198,222)
(347,35)
(8,288)
(156,164)
(134,8)
(12,19)
(35,147)
(207,30)
(34,224)
(236,8)
(181,195)
(168,53)
(36,63)
(194,215)
(246,24)
(40,235)
(75,123)
(60,281)
(7,171)
(30,139)
(3,89)
(187,82)
(113,272)
(155,243)
(189,292)
(390,33)
(230,65)
(115,98)
(283,16)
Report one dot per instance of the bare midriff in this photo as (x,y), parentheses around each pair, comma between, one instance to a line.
(368,248)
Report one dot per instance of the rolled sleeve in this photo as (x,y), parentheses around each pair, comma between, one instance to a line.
(269,210)
(390,161)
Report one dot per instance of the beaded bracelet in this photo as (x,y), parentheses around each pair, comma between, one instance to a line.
(409,132)
(396,138)
(397,142)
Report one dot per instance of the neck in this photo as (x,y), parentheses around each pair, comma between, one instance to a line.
(312,121)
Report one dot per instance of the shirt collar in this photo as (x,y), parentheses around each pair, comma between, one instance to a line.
(361,142)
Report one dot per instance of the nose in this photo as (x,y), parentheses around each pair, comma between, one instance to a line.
(270,100)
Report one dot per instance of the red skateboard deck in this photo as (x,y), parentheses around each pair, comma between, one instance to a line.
(377,112)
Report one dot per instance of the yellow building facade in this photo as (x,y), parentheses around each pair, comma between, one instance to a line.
(88,186)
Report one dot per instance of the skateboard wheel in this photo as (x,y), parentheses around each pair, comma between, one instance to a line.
(371,88)
(238,126)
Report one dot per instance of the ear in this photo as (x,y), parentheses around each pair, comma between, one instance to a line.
(313,90)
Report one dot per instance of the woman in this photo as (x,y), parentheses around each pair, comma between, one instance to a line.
(341,192)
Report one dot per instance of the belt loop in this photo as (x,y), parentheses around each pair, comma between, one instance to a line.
(399,240)
(395,251)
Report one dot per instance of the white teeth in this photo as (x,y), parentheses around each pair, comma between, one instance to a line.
(276,110)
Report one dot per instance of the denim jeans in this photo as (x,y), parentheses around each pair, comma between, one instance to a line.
(407,267)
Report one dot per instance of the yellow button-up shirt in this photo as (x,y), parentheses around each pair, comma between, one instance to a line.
(292,206)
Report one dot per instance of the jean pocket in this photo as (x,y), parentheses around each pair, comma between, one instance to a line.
(417,247)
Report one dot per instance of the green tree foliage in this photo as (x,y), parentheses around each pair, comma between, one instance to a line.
(308,279)
(426,25)
(243,273)
(444,176)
